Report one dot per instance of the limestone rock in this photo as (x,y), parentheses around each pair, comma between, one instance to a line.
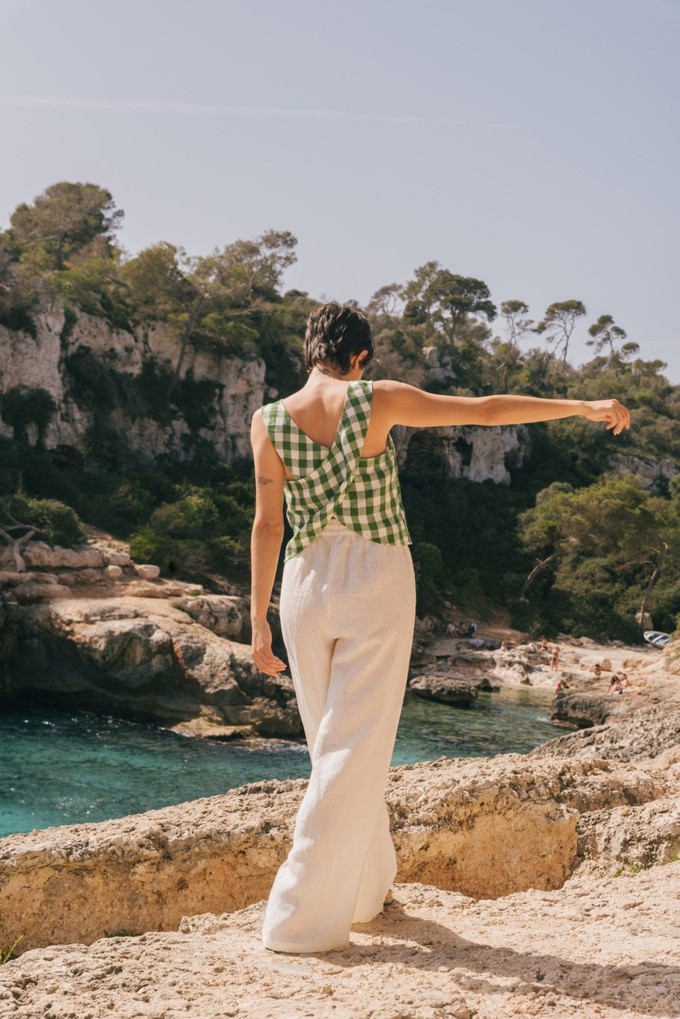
(420,657)
(238,390)
(498,826)
(39,363)
(484,828)
(147,571)
(144,659)
(114,572)
(10,579)
(38,554)
(478,454)
(586,709)
(655,474)
(444,687)
(112,557)
(226,615)
(598,949)
(207,729)
(37,591)
(82,578)
(611,841)
(138,588)
(644,734)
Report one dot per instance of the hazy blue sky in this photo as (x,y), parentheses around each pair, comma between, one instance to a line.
(533,144)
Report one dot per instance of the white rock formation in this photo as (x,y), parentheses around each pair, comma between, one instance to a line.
(655,474)
(40,363)
(147,571)
(478,454)
(38,553)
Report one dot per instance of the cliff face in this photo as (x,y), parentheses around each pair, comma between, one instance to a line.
(89,628)
(98,375)
(477,454)
(92,371)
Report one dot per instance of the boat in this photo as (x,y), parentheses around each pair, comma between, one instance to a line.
(656,637)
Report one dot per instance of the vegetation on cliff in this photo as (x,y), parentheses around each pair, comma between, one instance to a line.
(585,537)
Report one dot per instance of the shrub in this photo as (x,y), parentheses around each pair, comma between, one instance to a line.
(193,516)
(18,320)
(22,406)
(70,319)
(429,578)
(59,524)
(93,384)
(148,547)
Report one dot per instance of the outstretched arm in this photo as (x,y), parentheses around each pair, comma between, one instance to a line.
(406,405)
(265,545)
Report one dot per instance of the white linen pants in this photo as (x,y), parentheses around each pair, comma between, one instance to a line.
(347,614)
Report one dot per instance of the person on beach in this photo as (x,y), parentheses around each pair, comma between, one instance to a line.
(347,607)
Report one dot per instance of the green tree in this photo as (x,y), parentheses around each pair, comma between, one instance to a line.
(517,324)
(447,301)
(429,572)
(558,324)
(246,271)
(20,292)
(64,222)
(612,529)
(161,287)
(387,301)
(156,284)
(606,334)
(215,302)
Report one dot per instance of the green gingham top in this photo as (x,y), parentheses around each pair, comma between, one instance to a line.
(363,493)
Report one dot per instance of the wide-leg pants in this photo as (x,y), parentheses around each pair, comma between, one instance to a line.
(347,613)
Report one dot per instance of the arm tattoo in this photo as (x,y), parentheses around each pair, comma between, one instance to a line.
(264,481)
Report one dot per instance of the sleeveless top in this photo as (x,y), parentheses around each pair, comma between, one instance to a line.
(362,493)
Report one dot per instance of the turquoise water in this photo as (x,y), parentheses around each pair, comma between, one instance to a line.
(63,767)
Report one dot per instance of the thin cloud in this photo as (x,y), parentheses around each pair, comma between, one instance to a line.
(156,106)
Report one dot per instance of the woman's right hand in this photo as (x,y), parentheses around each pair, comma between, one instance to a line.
(261,650)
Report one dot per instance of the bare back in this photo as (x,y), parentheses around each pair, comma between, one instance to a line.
(317,408)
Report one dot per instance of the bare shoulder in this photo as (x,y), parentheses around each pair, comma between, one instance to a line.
(390,387)
(259,434)
(389,393)
(257,425)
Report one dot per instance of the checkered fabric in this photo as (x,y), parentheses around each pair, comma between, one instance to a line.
(363,494)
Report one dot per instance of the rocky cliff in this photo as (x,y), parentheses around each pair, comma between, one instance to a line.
(91,370)
(79,374)
(90,629)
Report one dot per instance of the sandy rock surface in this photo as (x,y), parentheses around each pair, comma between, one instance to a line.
(605,948)
(485,828)
(537,885)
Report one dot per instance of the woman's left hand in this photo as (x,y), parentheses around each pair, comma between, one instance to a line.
(614,413)
(261,649)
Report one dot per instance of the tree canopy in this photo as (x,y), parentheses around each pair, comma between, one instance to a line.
(586,536)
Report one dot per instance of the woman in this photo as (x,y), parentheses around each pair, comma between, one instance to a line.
(348,607)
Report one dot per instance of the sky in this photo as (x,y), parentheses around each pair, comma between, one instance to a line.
(532,144)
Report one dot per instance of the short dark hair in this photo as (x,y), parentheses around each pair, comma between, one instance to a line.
(335,334)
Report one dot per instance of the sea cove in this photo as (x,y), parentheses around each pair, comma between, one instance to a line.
(67,767)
